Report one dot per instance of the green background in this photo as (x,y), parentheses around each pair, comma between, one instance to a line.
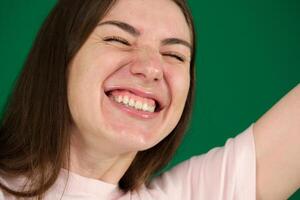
(247,59)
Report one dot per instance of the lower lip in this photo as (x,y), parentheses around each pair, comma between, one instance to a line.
(133,112)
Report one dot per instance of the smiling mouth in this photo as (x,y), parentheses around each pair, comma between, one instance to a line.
(134,101)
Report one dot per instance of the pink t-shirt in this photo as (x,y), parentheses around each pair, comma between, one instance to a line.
(223,173)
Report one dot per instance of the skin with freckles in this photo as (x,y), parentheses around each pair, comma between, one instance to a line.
(136,48)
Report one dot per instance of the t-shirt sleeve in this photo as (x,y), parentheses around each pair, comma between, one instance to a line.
(223,173)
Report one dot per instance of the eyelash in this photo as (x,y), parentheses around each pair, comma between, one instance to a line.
(116,39)
(125,42)
(176,56)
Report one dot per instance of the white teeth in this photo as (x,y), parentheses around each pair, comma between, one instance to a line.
(145,107)
(131,102)
(151,109)
(119,99)
(125,99)
(138,105)
(134,104)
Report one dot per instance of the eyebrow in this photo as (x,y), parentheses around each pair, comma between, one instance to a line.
(122,25)
(133,31)
(171,41)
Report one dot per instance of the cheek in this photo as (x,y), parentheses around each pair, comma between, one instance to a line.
(84,81)
(87,73)
(91,67)
(179,83)
(81,92)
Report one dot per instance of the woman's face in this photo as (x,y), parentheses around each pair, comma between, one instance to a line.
(129,82)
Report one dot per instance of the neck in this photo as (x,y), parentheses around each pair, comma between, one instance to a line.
(93,163)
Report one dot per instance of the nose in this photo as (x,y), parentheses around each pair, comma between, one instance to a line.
(148,66)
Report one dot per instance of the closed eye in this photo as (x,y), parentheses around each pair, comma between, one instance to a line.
(175,56)
(116,39)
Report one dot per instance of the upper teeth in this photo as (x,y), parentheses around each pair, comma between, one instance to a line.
(134,104)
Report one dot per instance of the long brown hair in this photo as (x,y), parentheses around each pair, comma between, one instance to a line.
(34,140)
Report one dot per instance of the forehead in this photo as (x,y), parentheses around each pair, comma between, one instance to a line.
(160,17)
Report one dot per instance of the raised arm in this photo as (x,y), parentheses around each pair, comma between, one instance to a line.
(277,140)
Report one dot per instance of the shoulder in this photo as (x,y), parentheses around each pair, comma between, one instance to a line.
(14,183)
(1,194)
(228,171)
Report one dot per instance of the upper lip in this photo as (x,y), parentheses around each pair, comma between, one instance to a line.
(142,93)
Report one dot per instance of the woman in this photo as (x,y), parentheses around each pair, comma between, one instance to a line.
(103,102)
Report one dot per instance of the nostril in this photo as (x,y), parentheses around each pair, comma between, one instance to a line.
(140,75)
